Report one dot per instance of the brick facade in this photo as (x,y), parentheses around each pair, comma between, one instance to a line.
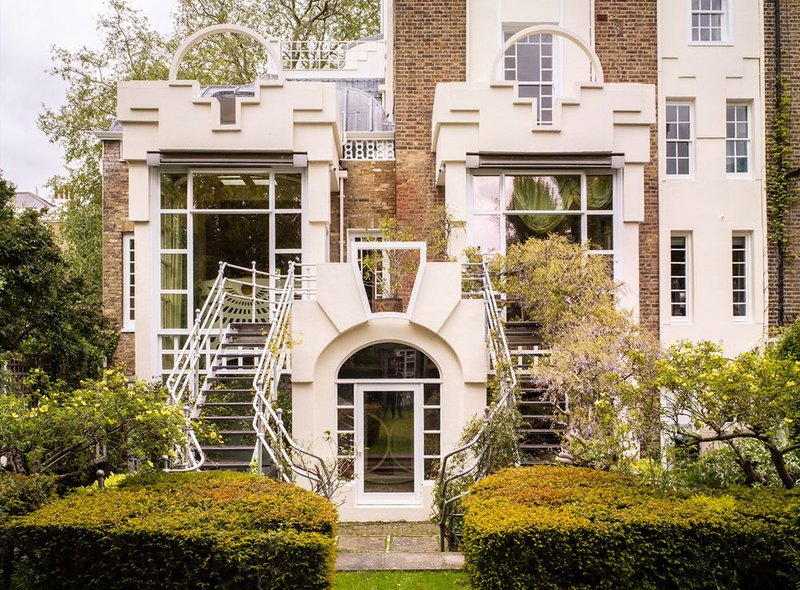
(430,46)
(369,198)
(626,40)
(115,222)
(790,33)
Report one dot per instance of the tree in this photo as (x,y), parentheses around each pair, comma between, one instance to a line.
(44,307)
(600,360)
(756,396)
(57,430)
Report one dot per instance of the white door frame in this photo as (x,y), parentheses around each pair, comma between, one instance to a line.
(389,498)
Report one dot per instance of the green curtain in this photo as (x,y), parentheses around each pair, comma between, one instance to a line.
(599,192)
(531,193)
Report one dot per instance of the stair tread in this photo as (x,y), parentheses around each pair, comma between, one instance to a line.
(227,404)
(227,447)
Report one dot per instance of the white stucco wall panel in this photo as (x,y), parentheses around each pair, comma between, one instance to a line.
(138,191)
(485,36)
(339,295)
(709,205)
(265,122)
(633,181)
(439,294)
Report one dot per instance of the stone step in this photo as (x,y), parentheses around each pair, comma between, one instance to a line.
(354,561)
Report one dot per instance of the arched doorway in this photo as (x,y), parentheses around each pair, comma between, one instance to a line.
(389,421)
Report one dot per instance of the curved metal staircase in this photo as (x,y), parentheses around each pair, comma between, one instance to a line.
(514,350)
(228,374)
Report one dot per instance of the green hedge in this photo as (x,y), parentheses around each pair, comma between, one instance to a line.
(19,494)
(561,527)
(190,530)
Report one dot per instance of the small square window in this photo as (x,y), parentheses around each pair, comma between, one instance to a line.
(709,21)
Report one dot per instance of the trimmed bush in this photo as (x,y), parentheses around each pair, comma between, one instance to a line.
(19,494)
(562,527)
(189,530)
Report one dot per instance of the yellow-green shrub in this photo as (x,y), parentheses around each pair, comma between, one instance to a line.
(193,530)
(559,527)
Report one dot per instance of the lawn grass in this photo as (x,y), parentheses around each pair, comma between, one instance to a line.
(445,580)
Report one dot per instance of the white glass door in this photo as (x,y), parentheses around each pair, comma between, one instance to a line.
(389,459)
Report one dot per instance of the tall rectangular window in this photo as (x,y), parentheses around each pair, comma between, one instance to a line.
(128,281)
(679,276)
(679,139)
(740,276)
(737,139)
(709,21)
(530,62)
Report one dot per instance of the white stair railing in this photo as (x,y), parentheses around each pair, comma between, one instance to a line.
(246,295)
(288,457)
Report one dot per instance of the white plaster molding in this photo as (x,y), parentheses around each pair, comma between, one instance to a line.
(597,67)
(194,39)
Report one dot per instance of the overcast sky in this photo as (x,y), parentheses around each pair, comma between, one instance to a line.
(28,28)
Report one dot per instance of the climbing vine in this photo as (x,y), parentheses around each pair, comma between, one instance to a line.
(779,197)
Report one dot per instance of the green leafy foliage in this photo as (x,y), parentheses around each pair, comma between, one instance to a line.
(46,308)
(19,495)
(564,527)
(190,530)
(601,360)
(755,396)
(56,429)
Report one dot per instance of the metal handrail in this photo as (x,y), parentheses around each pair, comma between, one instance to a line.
(186,381)
(273,438)
(501,363)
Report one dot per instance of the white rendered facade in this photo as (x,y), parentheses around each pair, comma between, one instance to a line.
(560,125)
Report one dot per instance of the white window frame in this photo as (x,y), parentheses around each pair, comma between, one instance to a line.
(748,139)
(687,247)
(510,29)
(128,282)
(616,252)
(747,274)
(679,140)
(726,24)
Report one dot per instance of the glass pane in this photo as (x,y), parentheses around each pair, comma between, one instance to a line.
(174,311)
(600,192)
(389,360)
(486,232)
(282,263)
(231,191)
(288,191)
(486,193)
(389,441)
(173,271)
(345,443)
(432,396)
(521,228)
(344,394)
(528,62)
(431,421)
(287,231)
(235,239)
(431,468)
(173,231)
(345,420)
(173,191)
(432,444)
(600,230)
(545,193)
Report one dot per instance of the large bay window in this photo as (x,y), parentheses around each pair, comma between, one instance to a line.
(206,218)
(511,207)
